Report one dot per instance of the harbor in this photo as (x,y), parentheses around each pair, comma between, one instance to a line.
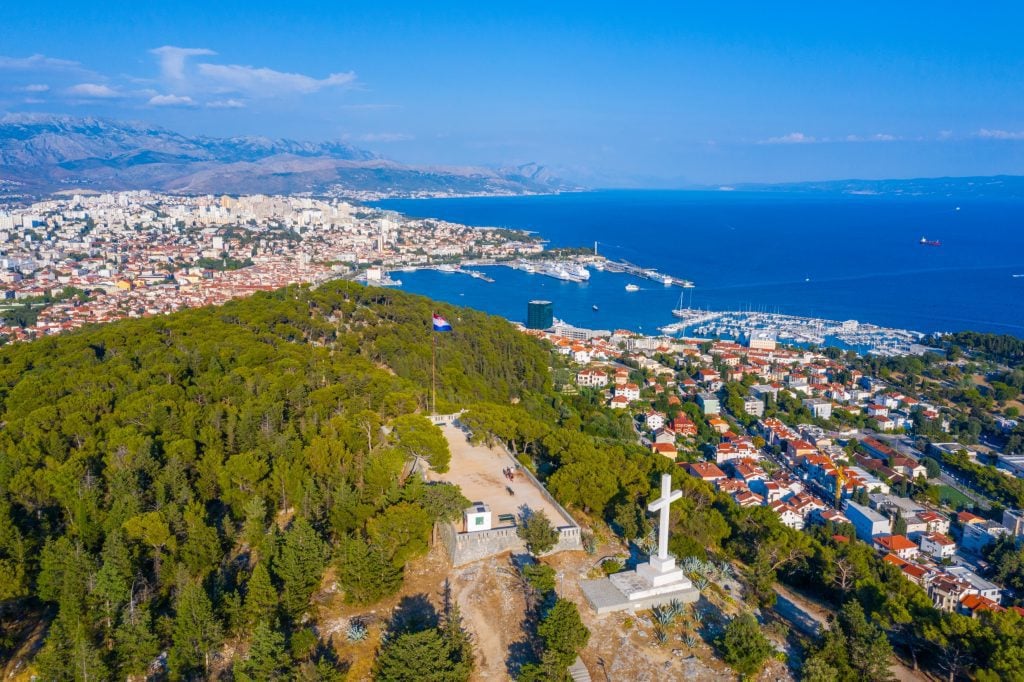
(792,329)
(645,273)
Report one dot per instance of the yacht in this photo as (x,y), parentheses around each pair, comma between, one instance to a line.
(446,268)
(632,287)
(680,311)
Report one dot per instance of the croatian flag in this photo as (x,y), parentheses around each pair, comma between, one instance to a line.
(441,324)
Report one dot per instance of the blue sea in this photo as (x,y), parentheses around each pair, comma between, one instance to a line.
(833,256)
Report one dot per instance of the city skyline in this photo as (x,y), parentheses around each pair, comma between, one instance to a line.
(655,98)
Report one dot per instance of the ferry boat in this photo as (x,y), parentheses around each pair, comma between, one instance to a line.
(929,242)
(448,269)
(577,270)
(558,271)
(632,287)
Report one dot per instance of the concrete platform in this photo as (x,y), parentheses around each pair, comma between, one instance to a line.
(604,597)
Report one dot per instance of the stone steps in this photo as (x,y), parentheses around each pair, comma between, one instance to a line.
(578,672)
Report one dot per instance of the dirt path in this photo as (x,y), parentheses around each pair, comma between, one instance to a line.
(493,608)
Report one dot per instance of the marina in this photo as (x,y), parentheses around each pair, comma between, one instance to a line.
(795,329)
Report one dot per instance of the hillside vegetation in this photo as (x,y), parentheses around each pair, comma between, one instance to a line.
(175,483)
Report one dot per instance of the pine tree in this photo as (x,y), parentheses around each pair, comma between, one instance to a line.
(899,524)
(70,654)
(538,533)
(255,526)
(365,573)
(299,565)
(416,657)
(196,632)
(261,598)
(563,631)
(135,644)
(460,648)
(267,658)
(113,581)
(870,651)
(743,645)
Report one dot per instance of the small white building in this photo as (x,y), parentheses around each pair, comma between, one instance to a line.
(819,408)
(630,392)
(787,515)
(753,406)
(591,378)
(938,546)
(654,420)
(477,517)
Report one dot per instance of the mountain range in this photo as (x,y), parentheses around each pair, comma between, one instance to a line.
(40,154)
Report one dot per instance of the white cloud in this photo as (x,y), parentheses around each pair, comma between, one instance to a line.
(877,137)
(791,138)
(35,87)
(172,59)
(264,82)
(1000,134)
(37,62)
(226,104)
(93,91)
(171,101)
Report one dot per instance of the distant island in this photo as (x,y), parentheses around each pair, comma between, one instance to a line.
(994,186)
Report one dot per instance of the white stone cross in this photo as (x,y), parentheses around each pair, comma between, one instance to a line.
(668,496)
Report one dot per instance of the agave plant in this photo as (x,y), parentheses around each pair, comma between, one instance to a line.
(690,640)
(700,582)
(661,635)
(647,543)
(698,617)
(664,616)
(356,631)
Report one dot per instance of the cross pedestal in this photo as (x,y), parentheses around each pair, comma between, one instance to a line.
(660,572)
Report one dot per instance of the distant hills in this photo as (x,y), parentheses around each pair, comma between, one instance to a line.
(978,186)
(40,154)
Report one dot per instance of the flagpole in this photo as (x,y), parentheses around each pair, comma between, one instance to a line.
(433,375)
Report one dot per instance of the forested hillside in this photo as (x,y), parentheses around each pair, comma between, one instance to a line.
(170,484)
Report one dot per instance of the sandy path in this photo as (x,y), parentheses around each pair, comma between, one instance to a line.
(492,607)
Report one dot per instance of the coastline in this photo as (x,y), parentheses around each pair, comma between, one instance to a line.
(771,252)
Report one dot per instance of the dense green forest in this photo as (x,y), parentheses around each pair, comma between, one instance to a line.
(175,483)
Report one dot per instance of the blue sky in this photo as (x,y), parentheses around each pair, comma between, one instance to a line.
(612,94)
